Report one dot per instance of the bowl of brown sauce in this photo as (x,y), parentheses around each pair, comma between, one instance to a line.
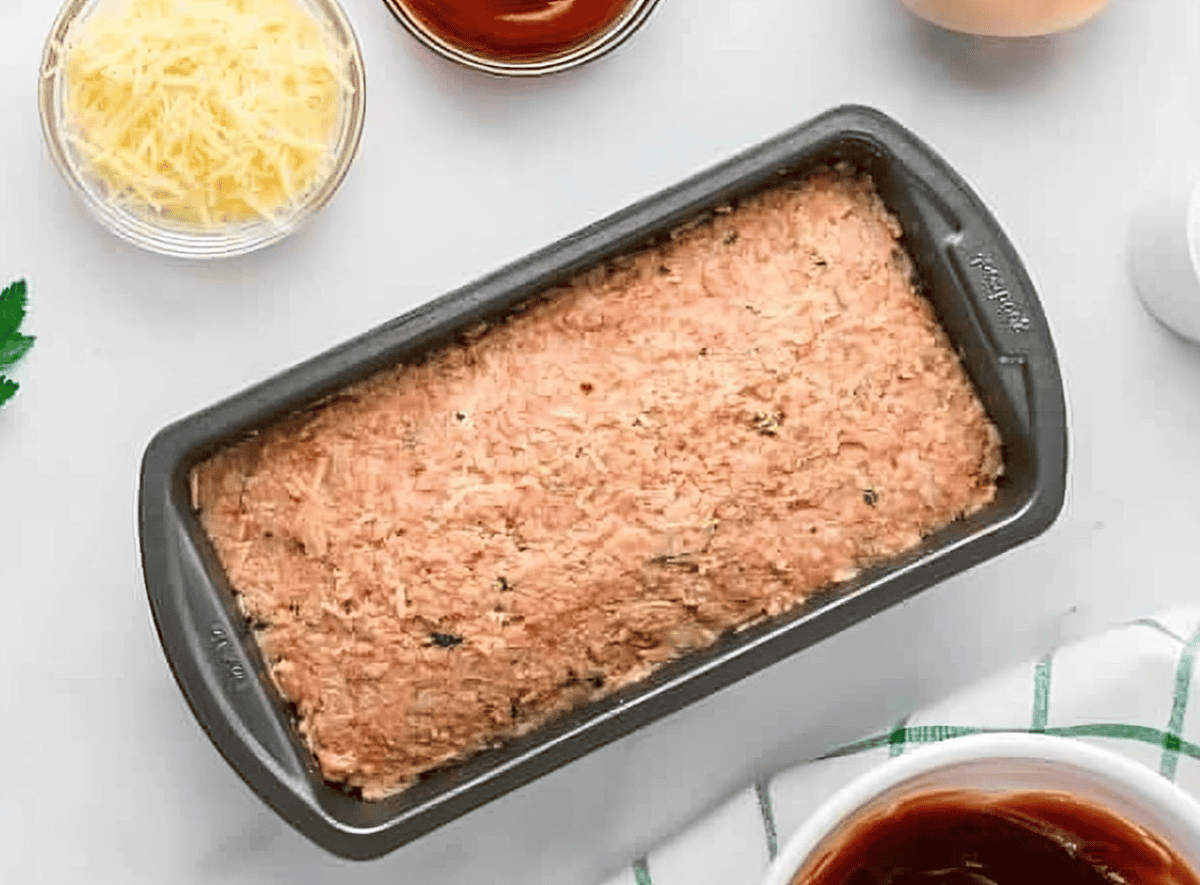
(1003,809)
(521,38)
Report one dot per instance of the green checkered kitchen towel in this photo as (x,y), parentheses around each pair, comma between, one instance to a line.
(1129,689)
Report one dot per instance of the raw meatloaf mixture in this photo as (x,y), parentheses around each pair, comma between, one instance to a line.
(668,448)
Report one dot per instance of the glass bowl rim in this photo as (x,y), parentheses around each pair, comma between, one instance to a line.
(623,27)
(222,240)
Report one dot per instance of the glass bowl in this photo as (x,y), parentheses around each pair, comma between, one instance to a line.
(622,28)
(143,226)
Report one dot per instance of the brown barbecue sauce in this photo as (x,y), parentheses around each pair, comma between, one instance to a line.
(512,30)
(967,838)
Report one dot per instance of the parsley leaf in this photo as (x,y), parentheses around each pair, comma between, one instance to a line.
(13,349)
(12,309)
(13,345)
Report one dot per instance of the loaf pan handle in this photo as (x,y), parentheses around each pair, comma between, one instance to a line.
(212,654)
(977,252)
(983,257)
(973,250)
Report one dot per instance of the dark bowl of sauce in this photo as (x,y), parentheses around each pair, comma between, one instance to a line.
(961,837)
(1000,810)
(521,37)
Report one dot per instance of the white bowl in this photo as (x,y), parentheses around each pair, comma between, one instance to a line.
(1003,763)
(1164,255)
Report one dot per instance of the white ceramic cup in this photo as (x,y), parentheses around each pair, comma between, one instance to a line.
(1002,763)
(1164,257)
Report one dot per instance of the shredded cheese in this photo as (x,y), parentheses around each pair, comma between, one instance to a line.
(206,111)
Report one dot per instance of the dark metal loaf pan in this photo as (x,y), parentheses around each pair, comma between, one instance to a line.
(982,296)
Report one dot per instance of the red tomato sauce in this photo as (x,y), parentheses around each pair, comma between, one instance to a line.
(516,29)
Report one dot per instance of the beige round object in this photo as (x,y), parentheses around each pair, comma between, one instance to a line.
(1007,18)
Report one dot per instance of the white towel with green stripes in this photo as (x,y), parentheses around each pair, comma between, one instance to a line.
(1130,690)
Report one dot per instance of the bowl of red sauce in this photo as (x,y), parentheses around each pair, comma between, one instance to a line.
(1000,809)
(521,38)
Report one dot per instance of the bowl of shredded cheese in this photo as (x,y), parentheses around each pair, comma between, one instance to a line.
(202,128)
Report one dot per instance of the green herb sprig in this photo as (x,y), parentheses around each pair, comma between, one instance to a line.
(13,345)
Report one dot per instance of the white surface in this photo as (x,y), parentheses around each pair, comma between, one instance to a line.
(104,777)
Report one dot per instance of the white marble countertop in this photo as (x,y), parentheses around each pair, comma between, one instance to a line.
(104,776)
